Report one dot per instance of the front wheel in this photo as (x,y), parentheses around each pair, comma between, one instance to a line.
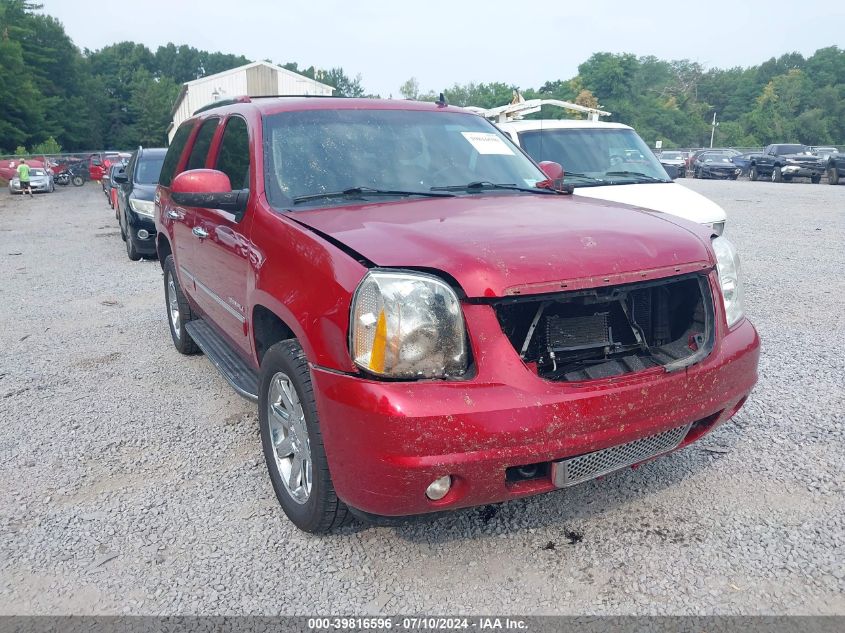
(777,174)
(292,443)
(816,179)
(753,175)
(833,175)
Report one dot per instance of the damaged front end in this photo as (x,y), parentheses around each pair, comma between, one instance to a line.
(611,331)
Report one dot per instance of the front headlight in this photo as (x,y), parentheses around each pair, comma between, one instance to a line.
(730,279)
(142,207)
(407,325)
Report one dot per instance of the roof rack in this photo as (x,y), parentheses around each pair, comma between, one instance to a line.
(250,99)
(223,102)
(519,107)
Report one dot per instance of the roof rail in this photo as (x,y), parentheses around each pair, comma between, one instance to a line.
(298,96)
(223,102)
(519,107)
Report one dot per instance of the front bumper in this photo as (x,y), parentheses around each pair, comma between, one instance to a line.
(802,171)
(37,186)
(140,223)
(387,441)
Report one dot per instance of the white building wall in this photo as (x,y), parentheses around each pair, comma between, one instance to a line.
(232,84)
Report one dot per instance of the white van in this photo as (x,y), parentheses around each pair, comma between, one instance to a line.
(609,161)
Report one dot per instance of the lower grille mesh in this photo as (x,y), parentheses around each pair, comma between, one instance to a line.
(585,467)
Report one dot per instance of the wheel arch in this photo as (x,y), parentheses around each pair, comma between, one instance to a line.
(268,328)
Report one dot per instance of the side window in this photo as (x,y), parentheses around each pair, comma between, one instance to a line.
(233,159)
(174,152)
(202,144)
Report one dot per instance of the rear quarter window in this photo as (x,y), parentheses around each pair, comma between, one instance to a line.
(174,152)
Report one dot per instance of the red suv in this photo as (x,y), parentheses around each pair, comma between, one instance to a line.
(424,319)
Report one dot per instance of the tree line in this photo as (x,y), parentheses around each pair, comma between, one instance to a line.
(789,99)
(54,96)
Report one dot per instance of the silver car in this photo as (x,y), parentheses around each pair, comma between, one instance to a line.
(40,179)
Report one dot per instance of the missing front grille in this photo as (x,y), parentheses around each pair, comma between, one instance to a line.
(612,331)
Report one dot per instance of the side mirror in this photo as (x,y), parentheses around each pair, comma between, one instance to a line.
(121,177)
(671,171)
(554,172)
(208,188)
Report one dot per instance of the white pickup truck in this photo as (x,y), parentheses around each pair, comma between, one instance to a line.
(607,161)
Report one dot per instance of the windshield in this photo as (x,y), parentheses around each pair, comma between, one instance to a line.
(716,158)
(591,156)
(313,152)
(37,172)
(792,149)
(149,170)
(671,156)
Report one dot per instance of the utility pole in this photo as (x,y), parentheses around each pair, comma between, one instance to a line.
(713,130)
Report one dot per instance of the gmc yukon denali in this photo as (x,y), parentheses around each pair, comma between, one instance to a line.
(425,318)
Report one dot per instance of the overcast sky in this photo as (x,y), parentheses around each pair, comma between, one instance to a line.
(442,42)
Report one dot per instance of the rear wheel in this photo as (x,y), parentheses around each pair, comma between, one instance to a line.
(77,181)
(833,175)
(178,310)
(753,175)
(777,174)
(292,443)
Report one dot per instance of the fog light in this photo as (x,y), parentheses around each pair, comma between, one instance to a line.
(439,488)
(143,234)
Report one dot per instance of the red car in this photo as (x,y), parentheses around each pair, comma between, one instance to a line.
(426,321)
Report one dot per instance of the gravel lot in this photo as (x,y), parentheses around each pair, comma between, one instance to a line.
(132,481)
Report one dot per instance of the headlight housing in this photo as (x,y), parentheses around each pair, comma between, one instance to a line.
(142,207)
(407,325)
(718,227)
(730,279)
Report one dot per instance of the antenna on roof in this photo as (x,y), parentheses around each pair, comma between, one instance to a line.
(441,101)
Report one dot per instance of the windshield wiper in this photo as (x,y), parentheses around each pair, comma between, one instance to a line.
(576,174)
(635,174)
(368,191)
(484,185)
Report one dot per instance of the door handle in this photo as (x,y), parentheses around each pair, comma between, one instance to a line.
(173,215)
(200,232)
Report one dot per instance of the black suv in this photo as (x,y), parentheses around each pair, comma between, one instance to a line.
(135,201)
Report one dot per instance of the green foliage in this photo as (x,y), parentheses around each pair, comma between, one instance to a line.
(50,146)
(121,96)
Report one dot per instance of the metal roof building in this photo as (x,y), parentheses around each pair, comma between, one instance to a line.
(257,79)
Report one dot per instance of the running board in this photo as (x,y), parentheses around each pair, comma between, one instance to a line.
(241,376)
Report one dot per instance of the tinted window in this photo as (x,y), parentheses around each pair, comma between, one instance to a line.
(201,144)
(233,159)
(173,154)
(148,170)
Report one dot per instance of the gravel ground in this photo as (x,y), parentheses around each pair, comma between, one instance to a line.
(132,481)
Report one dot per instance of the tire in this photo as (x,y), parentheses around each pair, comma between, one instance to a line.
(816,179)
(77,181)
(752,174)
(131,252)
(833,175)
(285,385)
(174,300)
(777,174)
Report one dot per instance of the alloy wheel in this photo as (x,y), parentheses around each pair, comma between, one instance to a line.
(173,306)
(289,438)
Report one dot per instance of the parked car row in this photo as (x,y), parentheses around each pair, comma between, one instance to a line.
(426,314)
(779,162)
(130,189)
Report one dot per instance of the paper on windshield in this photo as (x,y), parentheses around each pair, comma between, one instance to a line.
(487,143)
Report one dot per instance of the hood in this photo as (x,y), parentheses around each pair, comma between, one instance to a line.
(803,158)
(500,245)
(668,197)
(144,192)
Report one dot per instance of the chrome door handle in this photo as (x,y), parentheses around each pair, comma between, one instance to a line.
(173,215)
(200,232)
